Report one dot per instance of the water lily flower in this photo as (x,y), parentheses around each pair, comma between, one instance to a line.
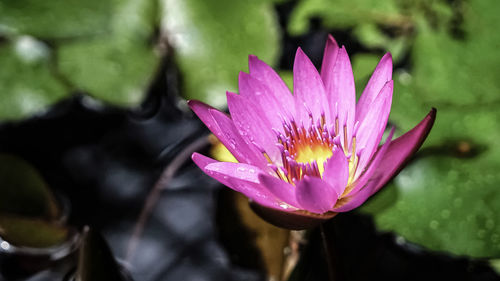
(305,157)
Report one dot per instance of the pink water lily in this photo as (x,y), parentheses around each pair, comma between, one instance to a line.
(315,152)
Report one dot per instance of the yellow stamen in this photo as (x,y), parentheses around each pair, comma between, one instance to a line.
(316,152)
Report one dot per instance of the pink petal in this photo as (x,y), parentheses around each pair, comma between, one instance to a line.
(270,104)
(238,177)
(381,75)
(329,60)
(315,195)
(358,199)
(265,74)
(373,166)
(251,123)
(336,171)
(223,128)
(202,110)
(395,156)
(402,148)
(308,89)
(281,189)
(372,126)
(342,94)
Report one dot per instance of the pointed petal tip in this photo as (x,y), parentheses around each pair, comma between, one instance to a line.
(299,54)
(432,113)
(387,57)
(194,156)
(331,39)
(402,149)
(200,107)
(195,103)
(428,123)
(201,160)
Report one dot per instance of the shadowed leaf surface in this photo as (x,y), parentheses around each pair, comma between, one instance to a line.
(95,261)
(28,232)
(23,191)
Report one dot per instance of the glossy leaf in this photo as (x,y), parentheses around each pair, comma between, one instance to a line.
(27,83)
(117,67)
(95,260)
(28,232)
(101,48)
(23,190)
(55,18)
(108,70)
(212,40)
(448,199)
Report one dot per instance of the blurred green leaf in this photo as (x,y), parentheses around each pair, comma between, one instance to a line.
(55,18)
(287,77)
(495,264)
(344,13)
(448,199)
(28,232)
(96,261)
(23,191)
(117,67)
(108,70)
(363,65)
(102,48)
(212,40)
(27,82)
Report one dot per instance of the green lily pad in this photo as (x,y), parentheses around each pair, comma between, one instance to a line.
(118,67)
(96,261)
(102,48)
(112,72)
(343,13)
(448,198)
(55,18)
(23,190)
(27,82)
(28,232)
(212,40)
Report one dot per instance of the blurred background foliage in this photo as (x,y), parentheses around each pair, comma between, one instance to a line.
(109,53)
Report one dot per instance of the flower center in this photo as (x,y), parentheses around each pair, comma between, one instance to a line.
(318,153)
(305,151)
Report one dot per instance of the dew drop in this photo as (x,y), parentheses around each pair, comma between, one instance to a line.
(434,224)
(400,240)
(445,213)
(5,245)
(284,206)
(241,169)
